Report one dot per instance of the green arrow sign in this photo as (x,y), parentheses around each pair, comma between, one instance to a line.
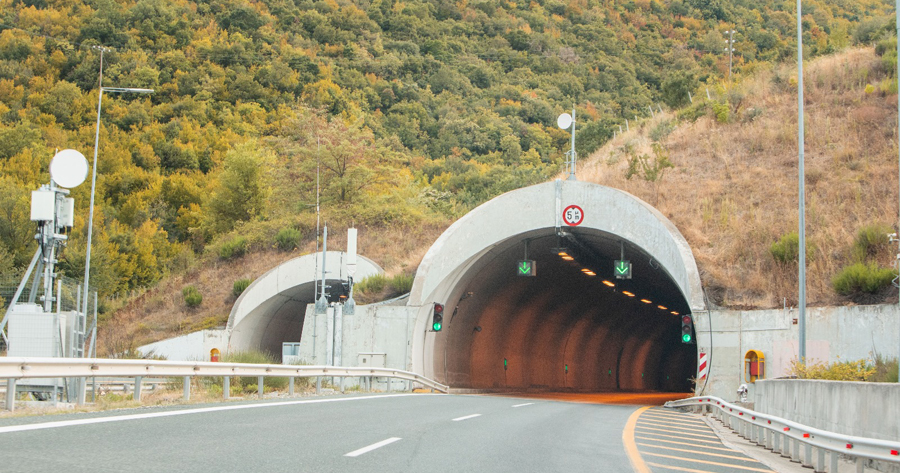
(623,269)
(526,268)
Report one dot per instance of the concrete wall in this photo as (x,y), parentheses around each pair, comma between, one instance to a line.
(832,334)
(859,409)
(191,347)
(383,329)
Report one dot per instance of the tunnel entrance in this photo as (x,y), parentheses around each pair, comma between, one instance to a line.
(573,327)
(566,329)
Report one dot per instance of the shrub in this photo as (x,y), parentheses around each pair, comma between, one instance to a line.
(862,278)
(787,249)
(233,248)
(287,239)
(722,112)
(860,370)
(247,382)
(885,370)
(372,284)
(192,296)
(871,240)
(239,286)
(402,283)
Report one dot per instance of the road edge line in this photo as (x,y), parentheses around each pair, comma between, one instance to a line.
(637,463)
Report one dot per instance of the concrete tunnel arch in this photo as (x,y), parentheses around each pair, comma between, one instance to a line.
(560,330)
(272,309)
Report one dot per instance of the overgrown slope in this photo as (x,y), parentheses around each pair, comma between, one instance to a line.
(733,191)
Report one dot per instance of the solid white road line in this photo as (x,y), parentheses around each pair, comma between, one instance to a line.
(101,420)
(368,449)
(465,417)
(526,404)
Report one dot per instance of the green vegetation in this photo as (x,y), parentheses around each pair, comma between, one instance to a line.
(233,248)
(415,111)
(880,370)
(862,277)
(239,286)
(379,287)
(288,239)
(192,297)
(865,275)
(787,249)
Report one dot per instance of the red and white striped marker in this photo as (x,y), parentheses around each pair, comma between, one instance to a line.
(703,367)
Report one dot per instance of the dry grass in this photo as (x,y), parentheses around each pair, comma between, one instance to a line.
(734,189)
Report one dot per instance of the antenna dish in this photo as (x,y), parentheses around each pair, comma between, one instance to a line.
(564,121)
(68,168)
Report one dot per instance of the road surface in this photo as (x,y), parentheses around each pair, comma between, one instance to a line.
(382,433)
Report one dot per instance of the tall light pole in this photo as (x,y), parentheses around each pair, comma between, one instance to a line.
(897,16)
(87,256)
(802,256)
(729,48)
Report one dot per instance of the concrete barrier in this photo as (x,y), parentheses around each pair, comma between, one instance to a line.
(851,408)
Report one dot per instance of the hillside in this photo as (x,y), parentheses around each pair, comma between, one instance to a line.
(412,113)
(734,189)
(732,192)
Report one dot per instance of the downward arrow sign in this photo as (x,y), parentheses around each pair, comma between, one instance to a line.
(622,268)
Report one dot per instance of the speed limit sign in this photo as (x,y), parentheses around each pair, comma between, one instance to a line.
(573,215)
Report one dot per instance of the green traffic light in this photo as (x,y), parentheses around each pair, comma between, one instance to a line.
(436,326)
(686,338)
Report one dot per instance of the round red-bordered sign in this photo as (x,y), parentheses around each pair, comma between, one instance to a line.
(573,215)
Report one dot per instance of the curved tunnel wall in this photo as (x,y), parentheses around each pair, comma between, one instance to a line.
(560,319)
(271,310)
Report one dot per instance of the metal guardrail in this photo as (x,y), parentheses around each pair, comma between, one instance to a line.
(784,437)
(15,368)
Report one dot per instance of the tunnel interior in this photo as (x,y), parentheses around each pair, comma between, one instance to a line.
(565,329)
(280,318)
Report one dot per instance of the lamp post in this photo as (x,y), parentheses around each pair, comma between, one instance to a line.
(87,264)
(802,204)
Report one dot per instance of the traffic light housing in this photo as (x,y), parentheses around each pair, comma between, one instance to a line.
(437,317)
(687,329)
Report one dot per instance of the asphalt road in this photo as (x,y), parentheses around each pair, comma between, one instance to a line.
(417,432)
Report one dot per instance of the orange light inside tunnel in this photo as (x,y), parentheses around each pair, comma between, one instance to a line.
(563,254)
(568,258)
(590,273)
(628,293)
(663,307)
(645,301)
(674,313)
(609,284)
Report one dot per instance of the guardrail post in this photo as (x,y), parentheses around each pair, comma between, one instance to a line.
(318,384)
(137,387)
(807,455)
(226,387)
(259,387)
(389,379)
(187,388)
(795,456)
(10,394)
(834,462)
(291,386)
(820,460)
(770,445)
(860,465)
(82,390)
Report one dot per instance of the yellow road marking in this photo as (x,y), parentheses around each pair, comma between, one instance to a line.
(672,431)
(677,468)
(680,426)
(700,452)
(634,456)
(682,420)
(729,465)
(682,438)
(682,443)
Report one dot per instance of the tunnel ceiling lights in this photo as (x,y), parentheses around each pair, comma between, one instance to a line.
(646,301)
(608,283)
(629,294)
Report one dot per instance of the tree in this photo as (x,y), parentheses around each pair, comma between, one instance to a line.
(242,191)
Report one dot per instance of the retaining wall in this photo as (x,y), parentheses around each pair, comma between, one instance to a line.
(852,408)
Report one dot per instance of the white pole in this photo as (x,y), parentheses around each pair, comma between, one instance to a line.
(87,255)
(800,144)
